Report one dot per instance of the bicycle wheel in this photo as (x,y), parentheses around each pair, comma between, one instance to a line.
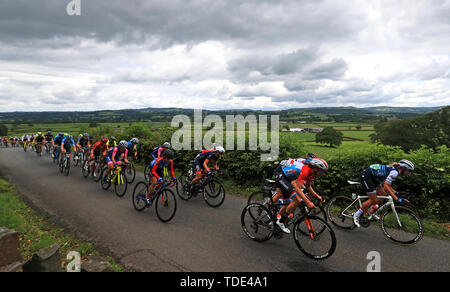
(98,172)
(340,212)
(166,205)
(257,222)
(182,187)
(214,193)
(259,197)
(316,245)
(120,184)
(105,179)
(130,173)
(86,169)
(147,173)
(408,233)
(67,166)
(139,195)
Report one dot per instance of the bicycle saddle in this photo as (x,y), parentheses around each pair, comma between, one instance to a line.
(353,182)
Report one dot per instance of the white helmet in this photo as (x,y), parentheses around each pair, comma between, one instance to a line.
(123,144)
(135,140)
(219,149)
(319,163)
(406,164)
(166,145)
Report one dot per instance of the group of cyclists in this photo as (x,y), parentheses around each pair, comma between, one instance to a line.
(294,177)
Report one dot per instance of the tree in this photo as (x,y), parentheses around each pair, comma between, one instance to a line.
(3,130)
(358,127)
(330,136)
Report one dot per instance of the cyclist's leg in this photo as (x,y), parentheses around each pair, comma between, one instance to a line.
(151,188)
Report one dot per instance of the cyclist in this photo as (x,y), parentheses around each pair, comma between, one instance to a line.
(83,141)
(39,141)
(31,139)
(67,145)
(133,148)
(201,162)
(57,141)
(49,139)
(377,180)
(25,140)
(159,150)
(157,172)
(112,143)
(99,148)
(115,155)
(291,181)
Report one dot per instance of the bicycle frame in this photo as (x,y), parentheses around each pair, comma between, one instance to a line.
(389,203)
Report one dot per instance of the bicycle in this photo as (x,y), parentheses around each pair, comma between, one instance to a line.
(313,236)
(166,202)
(39,149)
(398,223)
(265,194)
(118,179)
(64,164)
(95,168)
(209,185)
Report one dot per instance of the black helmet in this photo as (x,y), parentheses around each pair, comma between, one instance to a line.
(168,154)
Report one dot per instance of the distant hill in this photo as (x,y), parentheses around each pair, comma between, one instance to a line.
(331,114)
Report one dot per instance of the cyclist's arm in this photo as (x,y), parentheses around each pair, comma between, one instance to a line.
(205,165)
(155,167)
(171,169)
(390,190)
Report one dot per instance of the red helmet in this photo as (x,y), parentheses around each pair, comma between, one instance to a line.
(105,140)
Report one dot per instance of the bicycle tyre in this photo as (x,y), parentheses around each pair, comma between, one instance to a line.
(105,185)
(84,171)
(130,173)
(258,197)
(407,224)
(263,219)
(140,189)
(181,187)
(210,193)
(67,167)
(334,212)
(166,199)
(311,222)
(121,179)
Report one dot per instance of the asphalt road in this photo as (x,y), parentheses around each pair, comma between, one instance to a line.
(199,238)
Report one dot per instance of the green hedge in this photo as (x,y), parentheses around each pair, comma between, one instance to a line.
(429,186)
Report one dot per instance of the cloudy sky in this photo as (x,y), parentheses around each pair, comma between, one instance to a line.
(259,54)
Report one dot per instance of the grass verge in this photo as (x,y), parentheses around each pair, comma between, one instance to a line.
(36,232)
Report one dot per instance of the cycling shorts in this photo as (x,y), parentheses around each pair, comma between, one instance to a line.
(369,181)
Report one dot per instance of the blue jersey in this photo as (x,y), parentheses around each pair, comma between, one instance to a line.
(292,172)
(68,142)
(131,147)
(384,172)
(59,138)
(210,155)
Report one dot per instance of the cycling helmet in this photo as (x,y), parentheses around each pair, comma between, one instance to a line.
(168,154)
(406,164)
(319,163)
(112,138)
(49,132)
(166,145)
(69,137)
(39,133)
(219,149)
(85,135)
(135,140)
(105,140)
(123,144)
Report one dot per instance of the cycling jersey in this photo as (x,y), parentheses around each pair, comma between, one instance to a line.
(132,147)
(159,165)
(58,139)
(84,141)
(116,153)
(110,144)
(202,157)
(158,152)
(99,146)
(384,172)
(67,142)
(48,137)
(40,139)
(293,170)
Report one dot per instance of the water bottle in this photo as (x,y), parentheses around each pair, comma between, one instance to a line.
(373,208)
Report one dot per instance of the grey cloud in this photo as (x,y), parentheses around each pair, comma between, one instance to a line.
(333,70)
